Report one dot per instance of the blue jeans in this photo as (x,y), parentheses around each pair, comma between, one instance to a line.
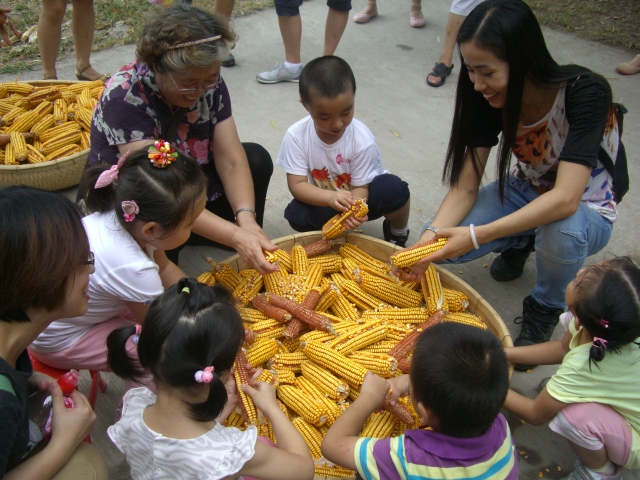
(561,246)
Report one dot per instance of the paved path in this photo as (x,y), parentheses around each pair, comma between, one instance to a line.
(411,122)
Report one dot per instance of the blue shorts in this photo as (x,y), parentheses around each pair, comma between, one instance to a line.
(291,8)
(387,194)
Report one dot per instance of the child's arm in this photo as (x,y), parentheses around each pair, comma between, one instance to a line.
(339,442)
(291,460)
(169,272)
(547,353)
(534,411)
(310,194)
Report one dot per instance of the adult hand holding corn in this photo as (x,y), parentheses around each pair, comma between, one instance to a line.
(5,20)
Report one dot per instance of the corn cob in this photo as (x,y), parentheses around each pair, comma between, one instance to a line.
(432,288)
(68,96)
(291,344)
(284,260)
(348,267)
(207,278)
(321,246)
(328,298)
(344,309)
(77,88)
(272,282)
(308,316)
(456,301)
(358,338)
(308,387)
(235,420)
(19,147)
(335,225)
(363,259)
(63,152)
(96,91)
(363,299)
(274,332)
(312,410)
(9,156)
(261,326)
(84,117)
(408,342)
(23,122)
(261,351)
(3,90)
(412,255)
(379,426)
(7,120)
(313,275)
(248,288)
(42,125)
(327,357)
(400,315)
(47,94)
(241,374)
(325,381)
(20,88)
(85,140)
(285,377)
(268,376)
(37,144)
(6,106)
(316,336)
(334,472)
(60,111)
(299,260)
(260,303)
(311,435)
(466,318)
(225,274)
(84,99)
(390,292)
(251,315)
(56,143)
(1,157)
(399,410)
(68,128)
(296,326)
(288,361)
(328,263)
(378,363)
(404,365)
(382,346)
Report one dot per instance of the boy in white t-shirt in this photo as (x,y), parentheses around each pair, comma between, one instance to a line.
(331,159)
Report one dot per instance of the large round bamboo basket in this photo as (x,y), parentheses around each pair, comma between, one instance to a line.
(382,250)
(54,175)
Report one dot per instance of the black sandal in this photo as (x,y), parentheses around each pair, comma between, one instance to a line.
(441,71)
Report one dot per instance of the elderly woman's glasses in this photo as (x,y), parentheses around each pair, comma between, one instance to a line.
(203,89)
(91,260)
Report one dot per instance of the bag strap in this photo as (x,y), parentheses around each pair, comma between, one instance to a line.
(5,384)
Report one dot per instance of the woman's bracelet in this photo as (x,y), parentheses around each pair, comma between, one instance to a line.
(243,209)
(474,240)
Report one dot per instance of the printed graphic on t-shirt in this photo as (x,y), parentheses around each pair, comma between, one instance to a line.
(322,178)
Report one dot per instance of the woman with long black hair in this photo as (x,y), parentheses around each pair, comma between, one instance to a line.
(557,197)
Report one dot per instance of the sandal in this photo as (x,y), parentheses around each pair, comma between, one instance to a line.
(629,68)
(441,71)
(79,75)
(416,22)
(364,17)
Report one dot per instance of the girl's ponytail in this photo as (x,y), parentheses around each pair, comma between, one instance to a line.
(96,199)
(214,404)
(119,360)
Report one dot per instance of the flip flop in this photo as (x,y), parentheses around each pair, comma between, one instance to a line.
(441,71)
(417,22)
(364,17)
(628,68)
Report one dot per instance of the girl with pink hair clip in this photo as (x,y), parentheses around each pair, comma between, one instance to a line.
(593,399)
(189,342)
(139,208)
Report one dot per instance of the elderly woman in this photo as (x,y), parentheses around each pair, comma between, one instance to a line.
(174,91)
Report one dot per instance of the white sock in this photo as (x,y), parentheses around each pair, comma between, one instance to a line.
(292,67)
(399,232)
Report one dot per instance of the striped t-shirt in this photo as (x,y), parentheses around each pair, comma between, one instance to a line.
(429,455)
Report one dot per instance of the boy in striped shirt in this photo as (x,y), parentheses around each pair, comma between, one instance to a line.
(458,383)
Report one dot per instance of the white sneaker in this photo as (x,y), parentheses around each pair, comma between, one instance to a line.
(279,74)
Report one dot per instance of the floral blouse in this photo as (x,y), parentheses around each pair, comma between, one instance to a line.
(131,108)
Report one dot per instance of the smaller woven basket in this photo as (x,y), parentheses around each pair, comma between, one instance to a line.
(53,175)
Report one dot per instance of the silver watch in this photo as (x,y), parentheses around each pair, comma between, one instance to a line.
(432,229)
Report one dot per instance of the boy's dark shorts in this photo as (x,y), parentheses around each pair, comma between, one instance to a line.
(291,8)
(387,194)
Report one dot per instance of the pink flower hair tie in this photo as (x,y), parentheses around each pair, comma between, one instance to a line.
(109,176)
(604,323)
(136,337)
(161,154)
(204,376)
(130,210)
(601,341)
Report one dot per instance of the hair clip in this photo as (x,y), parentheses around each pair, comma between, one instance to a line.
(204,376)
(601,341)
(195,42)
(604,323)
(186,290)
(135,338)
(162,154)
(130,210)
(109,176)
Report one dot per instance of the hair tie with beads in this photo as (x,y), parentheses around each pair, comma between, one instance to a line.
(604,323)
(204,376)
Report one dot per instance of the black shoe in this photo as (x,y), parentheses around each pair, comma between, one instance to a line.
(510,264)
(229,62)
(538,323)
(390,237)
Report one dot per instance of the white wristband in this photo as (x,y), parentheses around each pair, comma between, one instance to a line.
(474,240)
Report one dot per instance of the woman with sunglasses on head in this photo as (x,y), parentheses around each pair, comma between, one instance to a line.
(174,91)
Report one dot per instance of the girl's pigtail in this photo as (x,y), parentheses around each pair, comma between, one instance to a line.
(214,404)
(96,199)
(120,361)
(597,350)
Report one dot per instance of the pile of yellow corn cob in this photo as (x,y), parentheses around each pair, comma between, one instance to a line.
(39,124)
(320,323)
